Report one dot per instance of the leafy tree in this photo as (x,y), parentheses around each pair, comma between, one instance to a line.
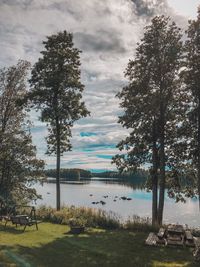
(19,166)
(192,80)
(56,90)
(150,102)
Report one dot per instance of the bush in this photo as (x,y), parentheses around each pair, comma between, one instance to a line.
(91,217)
(137,223)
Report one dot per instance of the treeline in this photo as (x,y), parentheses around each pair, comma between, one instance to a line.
(134,176)
(76,174)
(69,174)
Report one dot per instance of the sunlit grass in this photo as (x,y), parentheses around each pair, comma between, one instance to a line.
(52,246)
(170,264)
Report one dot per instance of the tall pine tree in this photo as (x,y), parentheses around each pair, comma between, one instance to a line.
(56,90)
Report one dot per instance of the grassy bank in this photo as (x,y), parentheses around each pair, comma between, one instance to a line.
(95,218)
(53,246)
(87,216)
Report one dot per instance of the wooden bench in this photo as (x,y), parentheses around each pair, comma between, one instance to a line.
(24,220)
(196,252)
(189,240)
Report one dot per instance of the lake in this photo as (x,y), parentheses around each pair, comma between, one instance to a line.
(79,194)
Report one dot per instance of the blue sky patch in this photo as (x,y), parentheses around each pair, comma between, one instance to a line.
(95,147)
(87,134)
(98,170)
(104,156)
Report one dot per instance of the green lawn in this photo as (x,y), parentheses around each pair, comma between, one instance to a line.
(52,246)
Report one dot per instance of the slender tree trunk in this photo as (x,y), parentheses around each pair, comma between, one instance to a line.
(154,179)
(2,158)
(58,165)
(3,171)
(198,154)
(162,167)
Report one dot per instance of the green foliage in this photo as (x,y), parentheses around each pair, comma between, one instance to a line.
(137,175)
(136,223)
(19,166)
(152,83)
(80,215)
(93,218)
(191,76)
(77,222)
(56,89)
(151,103)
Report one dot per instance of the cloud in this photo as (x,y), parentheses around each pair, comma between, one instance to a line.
(101,41)
(107,32)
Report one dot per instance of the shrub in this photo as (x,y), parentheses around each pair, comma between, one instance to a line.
(137,223)
(91,217)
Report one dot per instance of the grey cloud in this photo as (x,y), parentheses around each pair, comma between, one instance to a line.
(95,84)
(142,8)
(65,7)
(17,2)
(15,30)
(102,41)
(105,30)
(105,11)
(149,8)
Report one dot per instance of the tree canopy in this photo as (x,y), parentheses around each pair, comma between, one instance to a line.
(19,166)
(191,75)
(151,104)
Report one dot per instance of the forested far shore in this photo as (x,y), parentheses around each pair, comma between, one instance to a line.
(72,174)
(76,174)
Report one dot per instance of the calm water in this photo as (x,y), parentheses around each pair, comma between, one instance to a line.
(79,195)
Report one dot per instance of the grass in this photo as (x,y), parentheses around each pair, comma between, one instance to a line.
(52,246)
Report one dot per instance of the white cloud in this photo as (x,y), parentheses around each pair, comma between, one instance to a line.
(107,32)
(185,8)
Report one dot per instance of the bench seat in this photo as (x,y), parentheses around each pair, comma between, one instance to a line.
(23,220)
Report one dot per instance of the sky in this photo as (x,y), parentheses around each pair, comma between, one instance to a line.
(107,32)
(185,8)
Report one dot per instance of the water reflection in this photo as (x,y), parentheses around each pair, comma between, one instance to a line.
(88,192)
(128,183)
(111,181)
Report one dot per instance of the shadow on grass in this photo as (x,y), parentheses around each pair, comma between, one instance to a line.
(11,228)
(110,248)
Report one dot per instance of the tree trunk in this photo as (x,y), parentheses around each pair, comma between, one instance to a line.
(198,154)
(58,165)
(155,179)
(162,167)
